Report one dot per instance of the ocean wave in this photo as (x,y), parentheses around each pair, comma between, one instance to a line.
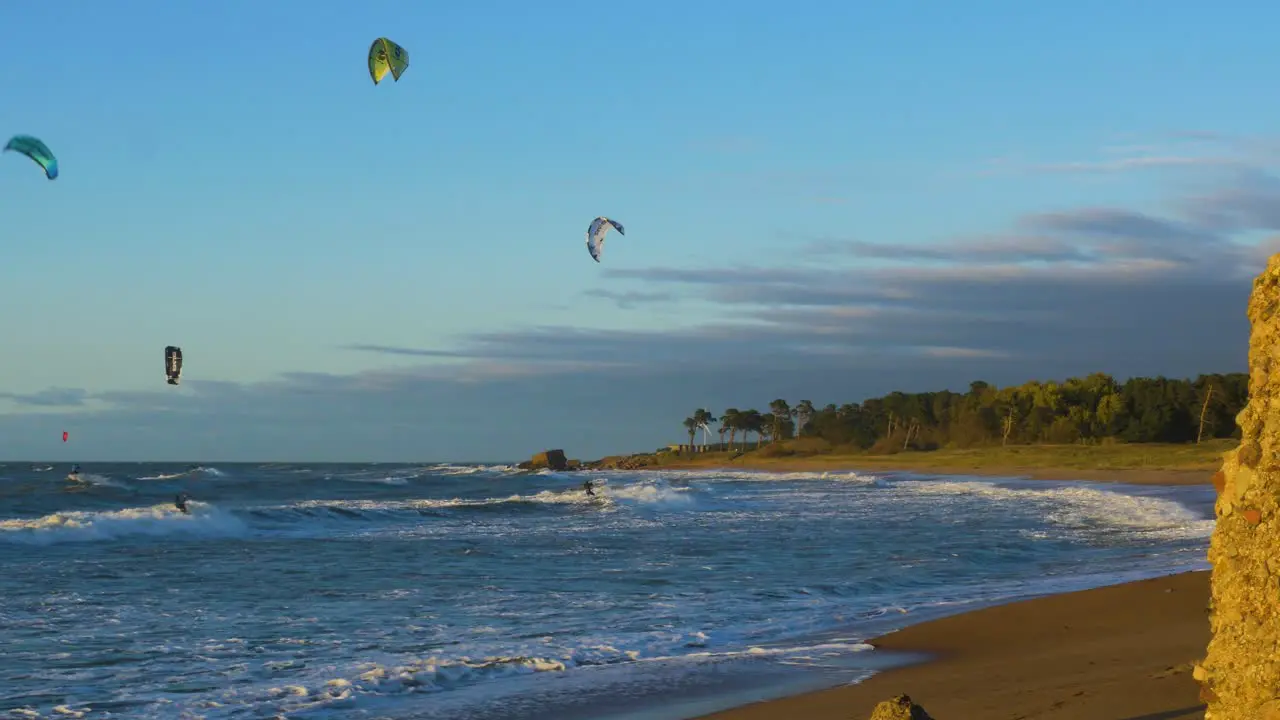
(765,476)
(546,499)
(191,472)
(1070,511)
(208,521)
(1078,509)
(98,480)
(373,479)
(156,520)
(404,475)
(436,674)
(450,469)
(162,476)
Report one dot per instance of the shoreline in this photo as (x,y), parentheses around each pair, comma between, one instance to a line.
(1129,476)
(1137,464)
(1121,652)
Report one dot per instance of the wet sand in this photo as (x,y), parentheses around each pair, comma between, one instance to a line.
(1116,653)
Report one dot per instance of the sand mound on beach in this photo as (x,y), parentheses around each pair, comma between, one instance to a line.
(899,708)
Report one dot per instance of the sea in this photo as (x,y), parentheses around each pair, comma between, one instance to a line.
(468,591)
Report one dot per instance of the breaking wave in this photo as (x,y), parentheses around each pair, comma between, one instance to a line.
(204,521)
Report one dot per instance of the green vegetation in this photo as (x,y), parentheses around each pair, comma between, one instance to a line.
(1042,460)
(1079,415)
(1138,456)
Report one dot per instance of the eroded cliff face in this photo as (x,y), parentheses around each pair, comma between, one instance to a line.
(1240,675)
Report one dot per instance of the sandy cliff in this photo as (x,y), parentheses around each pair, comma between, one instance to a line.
(1240,676)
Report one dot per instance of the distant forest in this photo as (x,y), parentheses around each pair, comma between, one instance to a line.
(1089,410)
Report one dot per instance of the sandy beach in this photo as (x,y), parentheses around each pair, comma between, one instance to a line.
(1122,652)
(1133,476)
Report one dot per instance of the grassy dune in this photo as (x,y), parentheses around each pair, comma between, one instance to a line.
(1115,461)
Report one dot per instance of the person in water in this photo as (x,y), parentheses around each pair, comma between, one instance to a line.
(180,502)
(75,469)
(589,488)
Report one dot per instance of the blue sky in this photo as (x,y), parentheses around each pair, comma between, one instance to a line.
(823,201)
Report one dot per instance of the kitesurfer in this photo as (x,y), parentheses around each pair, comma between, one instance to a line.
(589,488)
(180,502)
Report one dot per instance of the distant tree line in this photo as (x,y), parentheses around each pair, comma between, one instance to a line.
(1091,409)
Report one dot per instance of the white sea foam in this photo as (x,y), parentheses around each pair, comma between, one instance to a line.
(99,480)
(1083,508)
(163,476)
(156,520)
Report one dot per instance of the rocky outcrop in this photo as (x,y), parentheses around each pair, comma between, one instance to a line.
(1240,675)
(546,460)
(899,708)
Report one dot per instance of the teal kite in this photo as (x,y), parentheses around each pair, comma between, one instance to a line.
(36,150)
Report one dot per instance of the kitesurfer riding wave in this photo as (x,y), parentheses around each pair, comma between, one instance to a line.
(589,487)
(180,502)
